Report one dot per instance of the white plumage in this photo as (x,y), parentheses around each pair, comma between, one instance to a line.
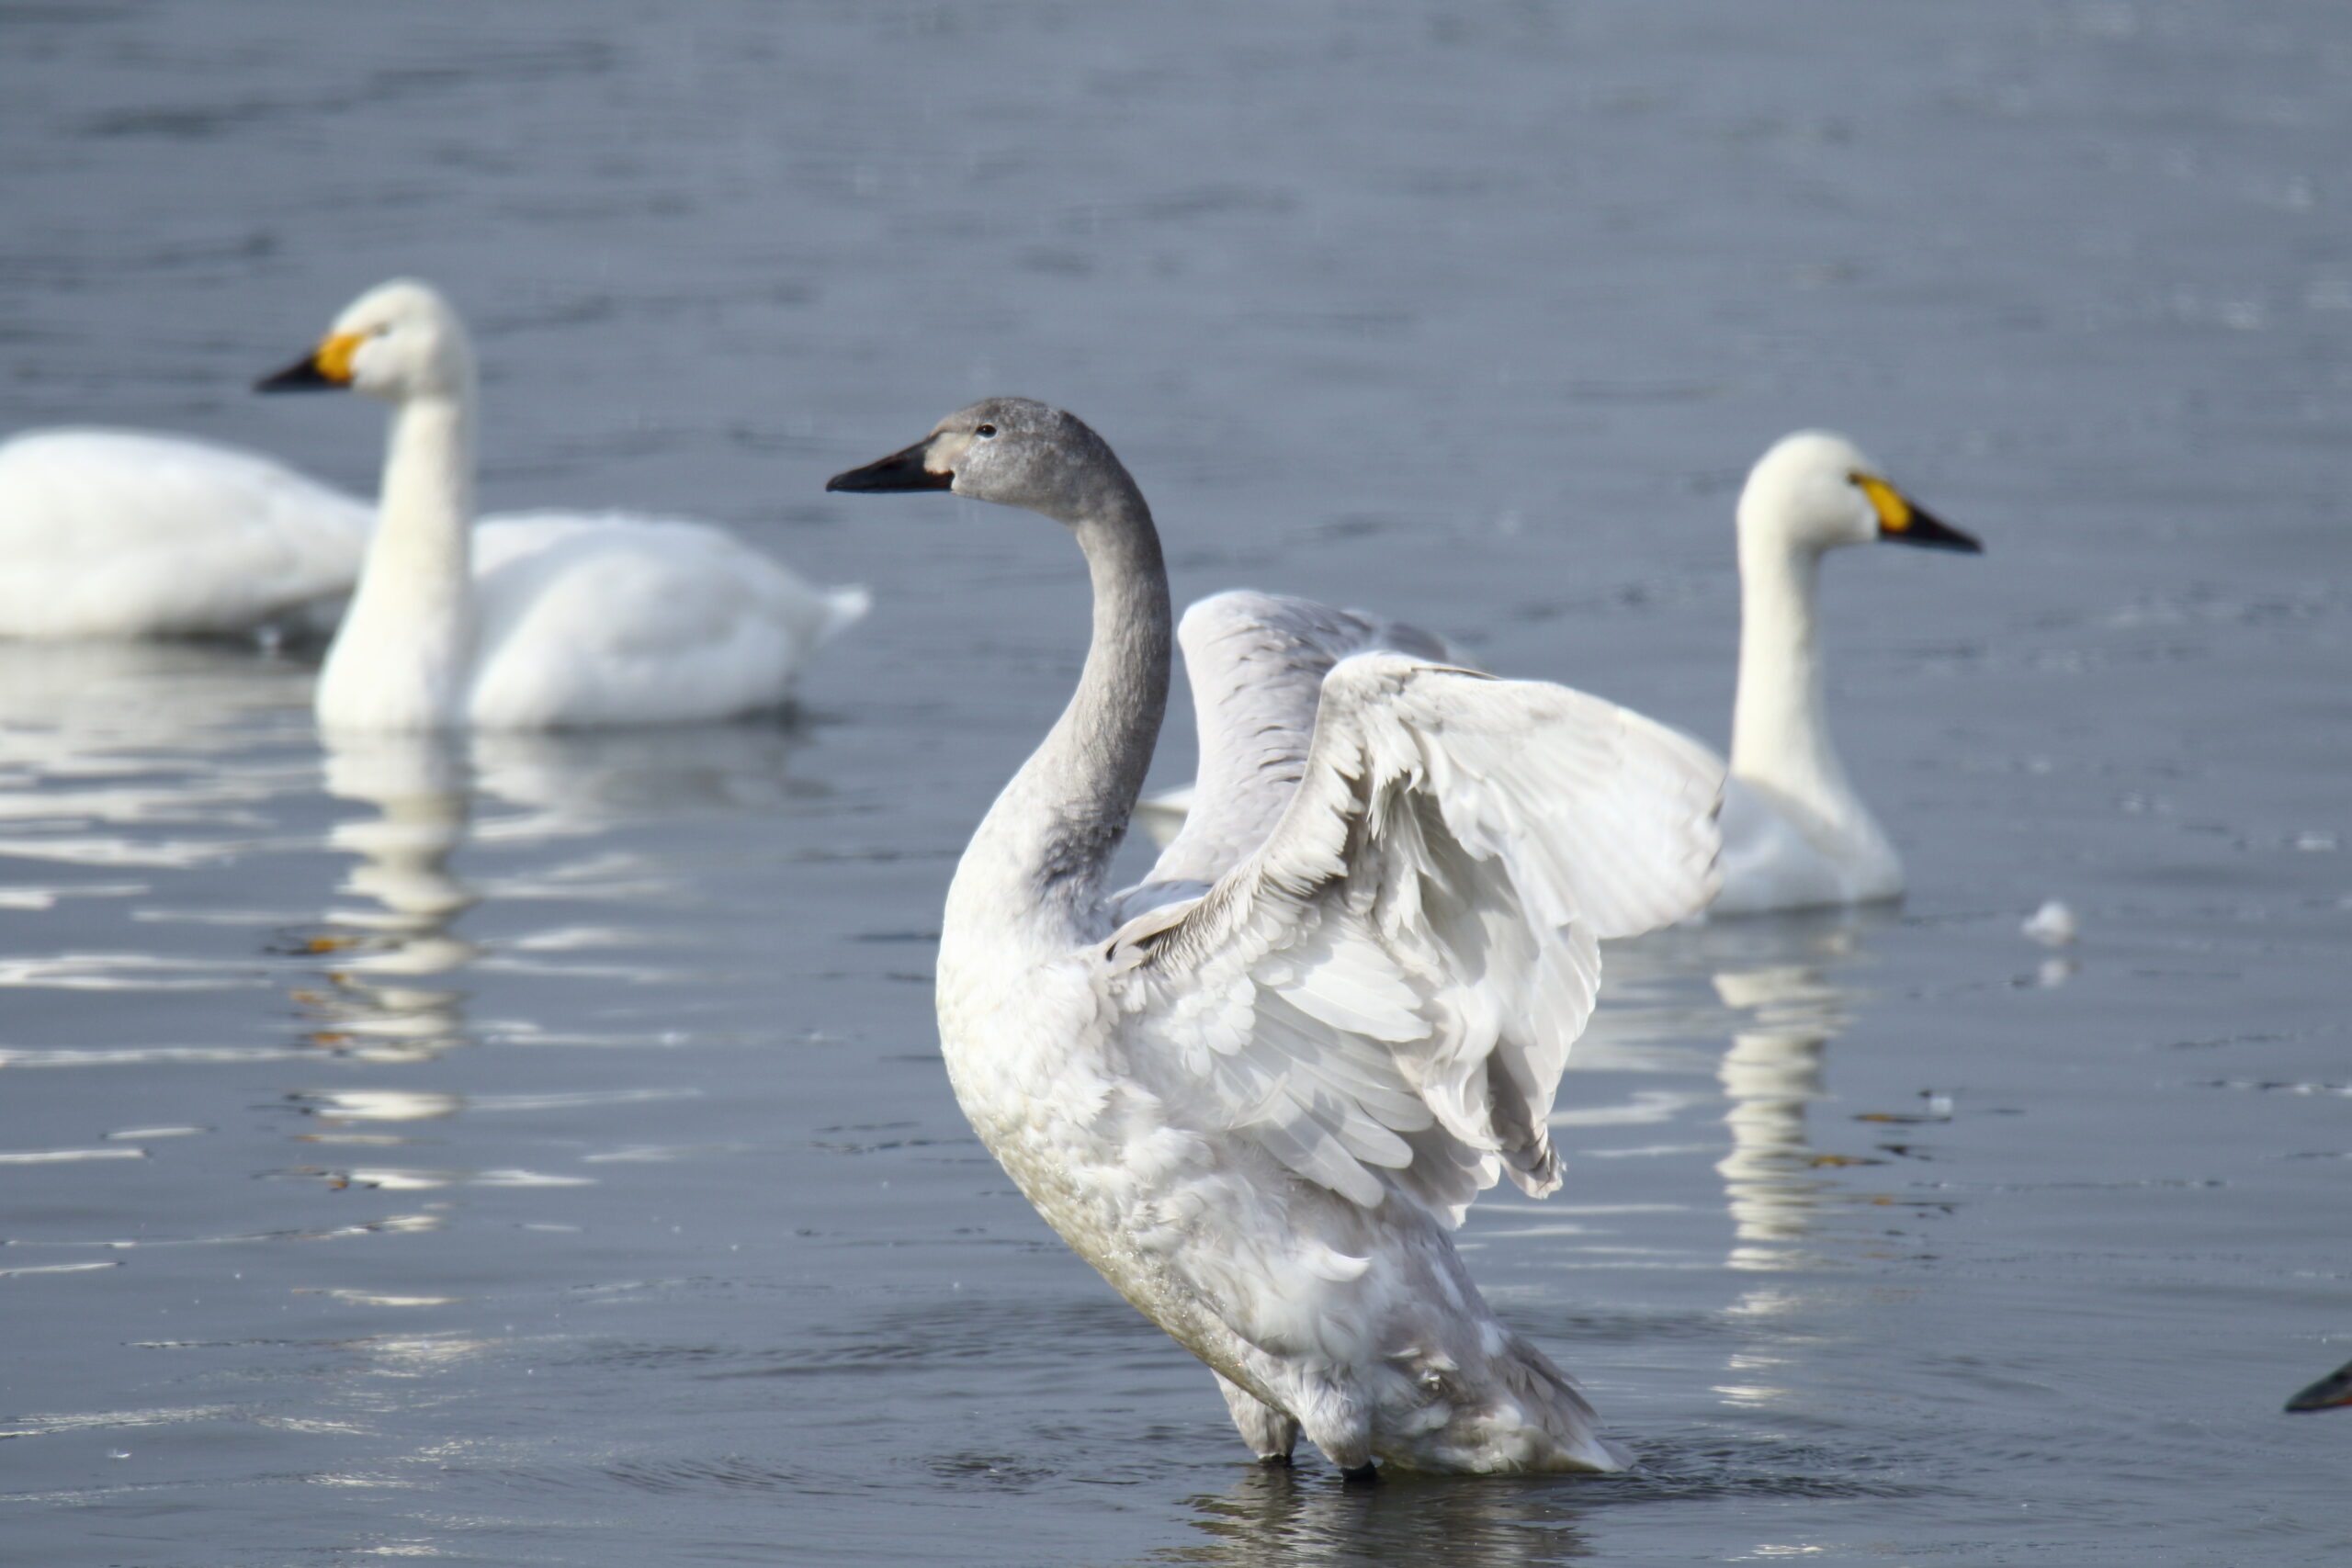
(1256,663)
(590,621)
(1796,834)
(1258,1090)
(127,534)
(539,621)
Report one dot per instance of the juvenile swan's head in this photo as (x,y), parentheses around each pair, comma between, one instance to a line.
(399,340)
(1015,451)
(1815,491)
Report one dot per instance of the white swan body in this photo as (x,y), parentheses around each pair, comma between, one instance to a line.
(126,533)
(1258,1092)
(611,620)
(1795,833)
(538,621)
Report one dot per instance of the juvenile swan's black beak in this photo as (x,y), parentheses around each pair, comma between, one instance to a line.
(302,375)
(2327,1393)
(1929,532)
(899,471)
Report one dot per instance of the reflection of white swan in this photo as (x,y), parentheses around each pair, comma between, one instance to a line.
(1273,1519)
(143,753)
(418,784)
(1784,980)
(579,780)
(60,701)
(125,533)
(1772,1072)
(424,784)
(1795,834)
(541,621)
(1259,1103)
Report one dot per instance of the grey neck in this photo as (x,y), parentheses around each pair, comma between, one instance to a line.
(1057,825)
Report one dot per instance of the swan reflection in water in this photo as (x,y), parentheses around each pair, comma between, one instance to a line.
(377,1003)
(142,756)
(390,994)
(1791,1005)
(1781,987)
(1284,1518)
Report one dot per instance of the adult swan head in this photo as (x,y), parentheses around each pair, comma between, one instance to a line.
(1258,1090)
(538,621)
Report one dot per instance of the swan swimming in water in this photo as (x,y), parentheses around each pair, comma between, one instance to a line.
(1258,1090)
(131,534)
(537,621)
(1796,836)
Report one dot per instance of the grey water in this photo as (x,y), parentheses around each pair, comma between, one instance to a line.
(537,1152)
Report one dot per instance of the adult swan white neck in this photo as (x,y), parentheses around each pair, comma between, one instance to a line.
(1795,833)
(1257,1092)
(541,621)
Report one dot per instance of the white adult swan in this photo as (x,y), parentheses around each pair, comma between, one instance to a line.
(1795,834)
(535,622)
(129,534)
(1258,1090)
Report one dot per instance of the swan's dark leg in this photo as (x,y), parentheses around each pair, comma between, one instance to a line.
(1271,1433)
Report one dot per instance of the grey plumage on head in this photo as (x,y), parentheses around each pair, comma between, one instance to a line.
(1020,452)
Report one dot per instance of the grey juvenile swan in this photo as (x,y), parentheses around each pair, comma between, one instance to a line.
(1258,1090)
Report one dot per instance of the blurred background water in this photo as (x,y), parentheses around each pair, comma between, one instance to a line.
(538,1152)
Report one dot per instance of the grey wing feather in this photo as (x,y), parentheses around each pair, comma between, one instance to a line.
(1256,662)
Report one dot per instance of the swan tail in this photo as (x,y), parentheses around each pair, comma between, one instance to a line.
(845,607)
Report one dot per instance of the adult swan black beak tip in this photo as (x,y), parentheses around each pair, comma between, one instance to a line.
(1928,531)
(302,375)
(898,472)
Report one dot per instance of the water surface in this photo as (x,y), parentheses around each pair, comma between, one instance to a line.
(537,1152)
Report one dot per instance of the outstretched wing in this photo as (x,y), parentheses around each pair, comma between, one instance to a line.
(1256,662)
(1384,994)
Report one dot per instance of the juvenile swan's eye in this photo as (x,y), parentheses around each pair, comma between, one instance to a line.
(984,430)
